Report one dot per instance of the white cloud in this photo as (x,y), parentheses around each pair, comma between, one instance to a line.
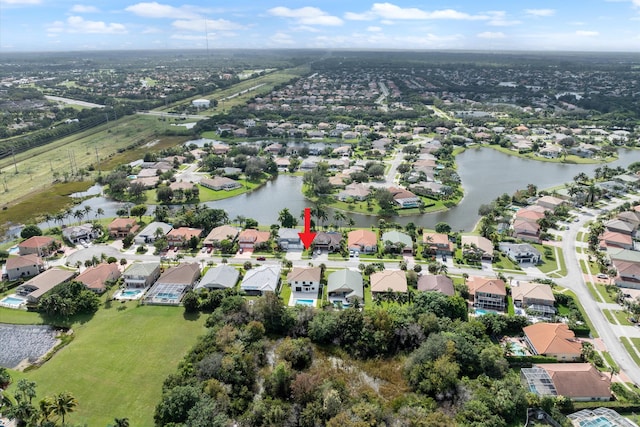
(499,19)
(199,25)
(540,12)
(82,8)
(157,10)
(280,39)
(491,35)
(587,33)
(392,11)
(306,15)
(20,2)
(374,29)
(77,24)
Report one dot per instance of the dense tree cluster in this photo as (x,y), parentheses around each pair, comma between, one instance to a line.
(69,299)
(265,364)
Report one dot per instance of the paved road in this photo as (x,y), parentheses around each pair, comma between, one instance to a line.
(73,101)
(177,115)
(575,281)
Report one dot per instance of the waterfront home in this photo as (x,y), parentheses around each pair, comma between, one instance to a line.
(259,280)
(288,239)
(524,229)
(96,278)
(553,340)
(36,287)
(220,277)
(364,241)
(355,191)
(438,243)
(121,227)
(478,244)
(404,198)
(576,381)
(218,234)
(388,281)
(330,241)
(252,238)
(39,245)
(401,242)
(345,286)
(487,293)
(182,236)
(23,266)
(77,233)
(220,183)
(550,202)
(141,275)
(532,296)
(305,279)
(436,283)
(151,232)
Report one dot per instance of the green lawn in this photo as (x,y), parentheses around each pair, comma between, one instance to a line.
(285,292)
(593,292)
(623,317)
(20,317)
(563,311)
(609,316)
(607,357)
(554,263)
(632,352)
(117,362)
(368,297)
(609,297)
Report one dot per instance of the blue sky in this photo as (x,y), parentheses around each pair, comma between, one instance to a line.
(60,25)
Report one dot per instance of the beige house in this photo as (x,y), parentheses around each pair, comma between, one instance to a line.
(438,243)
(534,296)
(553,340)
(487,293)
(218,234)
(97,277)
(305,279)
(35,288)
(24,266)
(40,245)
(388,281)
(577,381)
(179,237)
(365,241)
(478,242)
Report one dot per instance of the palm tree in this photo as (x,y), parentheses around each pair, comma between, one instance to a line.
(87,210)
(78,214)
(64,403)
(613,370)
(59,217)
(121,422)
(48,217)
(46,409)
(99,212)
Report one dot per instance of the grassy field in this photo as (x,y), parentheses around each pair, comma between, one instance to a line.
(632,351)
(609,297)
(266,82)
(554,263)
(117,362)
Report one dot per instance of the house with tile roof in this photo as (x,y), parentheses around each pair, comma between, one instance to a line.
(526,230)
(533,296)
(18,267)
(388,281)
(97,278)
(436,283)
(305,279)
(398,241)
(553,340)
(222,276)
(220,183)
(257,281)
(218,234)
(120,228)
(550,202)
(252,238)
(487,293)
(36,287)
(628,274)
(364,241)
(330,241)
(141,275)
(289,239)
(576,381)
(438,243)
(345,286)
(179,237)
(478,243)
(620,226)
(39,245)
(614,239)
(404,198)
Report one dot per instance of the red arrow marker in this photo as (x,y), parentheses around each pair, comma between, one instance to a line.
(307,237)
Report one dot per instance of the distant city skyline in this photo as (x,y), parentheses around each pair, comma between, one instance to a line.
(572,25)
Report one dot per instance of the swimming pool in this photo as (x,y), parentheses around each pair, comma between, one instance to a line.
(129,294)
(308,302)
(596,422)
(168,295)
(14,250)
(482,311)
(518,349)
(12,301)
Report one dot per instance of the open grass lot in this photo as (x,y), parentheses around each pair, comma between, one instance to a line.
(117,362)
(267,82)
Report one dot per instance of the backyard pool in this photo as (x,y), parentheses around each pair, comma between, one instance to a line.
(518,349)
(129,294)
(308,302)
(12,301)
(482,311)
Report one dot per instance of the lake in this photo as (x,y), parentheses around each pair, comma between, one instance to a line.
(485,174)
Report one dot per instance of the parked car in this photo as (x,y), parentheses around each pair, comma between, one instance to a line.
(602,276)
(261,258)
(210,249)
(241,250)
